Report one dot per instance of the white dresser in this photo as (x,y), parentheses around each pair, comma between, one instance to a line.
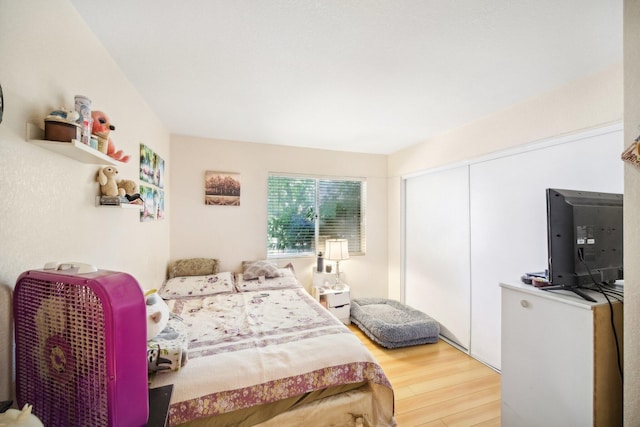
(559,359)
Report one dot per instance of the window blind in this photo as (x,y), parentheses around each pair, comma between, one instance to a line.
(305,211)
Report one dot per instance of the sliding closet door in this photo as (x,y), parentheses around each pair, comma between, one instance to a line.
(437,249)
(508,217)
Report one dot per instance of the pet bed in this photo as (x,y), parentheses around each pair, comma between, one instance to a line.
(393,324)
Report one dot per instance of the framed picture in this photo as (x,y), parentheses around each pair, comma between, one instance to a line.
(159,197)
(147,164)
(158,175)
(149,208)
(152,174)
(221,188)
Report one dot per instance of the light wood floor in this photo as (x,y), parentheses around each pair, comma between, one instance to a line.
(437,385)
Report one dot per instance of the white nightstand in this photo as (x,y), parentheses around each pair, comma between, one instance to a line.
(337,301)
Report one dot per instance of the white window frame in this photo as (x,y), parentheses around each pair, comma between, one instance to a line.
(355,248)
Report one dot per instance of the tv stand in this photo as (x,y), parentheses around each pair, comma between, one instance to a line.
(573,289)
(559,348)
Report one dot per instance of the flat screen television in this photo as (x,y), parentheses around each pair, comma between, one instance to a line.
(584,239)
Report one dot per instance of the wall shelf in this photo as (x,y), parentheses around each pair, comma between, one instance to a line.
(121,206)
(75,149)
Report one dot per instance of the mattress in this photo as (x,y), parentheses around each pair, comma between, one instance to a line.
(256,354)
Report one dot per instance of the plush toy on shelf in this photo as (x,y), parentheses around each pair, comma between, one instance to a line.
(101,127)
(108,184)
(130,191)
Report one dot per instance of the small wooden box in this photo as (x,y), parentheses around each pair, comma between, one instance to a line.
(55,130)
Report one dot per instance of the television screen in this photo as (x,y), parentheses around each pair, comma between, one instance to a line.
(584,238)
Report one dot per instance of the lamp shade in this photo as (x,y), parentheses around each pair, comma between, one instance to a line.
(337,249)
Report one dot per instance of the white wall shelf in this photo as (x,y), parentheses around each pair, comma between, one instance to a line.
(121,206)
(75,149)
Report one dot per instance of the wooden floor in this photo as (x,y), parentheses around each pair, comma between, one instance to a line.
(437,385)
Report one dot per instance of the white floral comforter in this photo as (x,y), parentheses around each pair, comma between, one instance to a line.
(250,348)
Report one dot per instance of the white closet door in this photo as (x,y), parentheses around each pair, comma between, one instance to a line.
(437,273)
(508,218)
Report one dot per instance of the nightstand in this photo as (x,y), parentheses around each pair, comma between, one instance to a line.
(337,301)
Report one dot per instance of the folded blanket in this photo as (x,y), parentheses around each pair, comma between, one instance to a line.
(167,352)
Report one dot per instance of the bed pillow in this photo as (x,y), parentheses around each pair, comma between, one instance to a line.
(286,281)
(254,269)
(197,286)
(194,267)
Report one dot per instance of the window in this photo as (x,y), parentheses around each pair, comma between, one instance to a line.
(304,211)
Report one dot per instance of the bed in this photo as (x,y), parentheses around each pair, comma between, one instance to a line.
(262,351)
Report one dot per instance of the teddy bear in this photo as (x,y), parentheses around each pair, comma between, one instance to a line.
(130,187)
(107,180)
(101,127)
(130,191)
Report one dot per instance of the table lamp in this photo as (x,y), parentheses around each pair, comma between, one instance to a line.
(337,250)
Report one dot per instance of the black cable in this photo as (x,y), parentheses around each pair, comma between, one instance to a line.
(611,317)
(605,287)
(617,295)
(615,334)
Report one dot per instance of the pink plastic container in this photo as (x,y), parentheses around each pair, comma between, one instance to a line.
(81,348)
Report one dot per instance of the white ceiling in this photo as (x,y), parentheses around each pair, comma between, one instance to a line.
(370,76)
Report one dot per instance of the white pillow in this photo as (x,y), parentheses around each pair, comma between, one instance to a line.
(287,281)
(196,286)
(253,269)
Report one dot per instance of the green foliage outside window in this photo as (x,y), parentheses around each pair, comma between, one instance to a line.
(304,212)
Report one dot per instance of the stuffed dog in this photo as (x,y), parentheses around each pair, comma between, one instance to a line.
(108,184)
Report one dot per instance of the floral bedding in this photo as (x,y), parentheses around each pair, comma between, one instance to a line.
(167,351)
(198,286)
(257,347)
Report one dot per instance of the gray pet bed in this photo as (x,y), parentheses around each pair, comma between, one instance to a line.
(393,324)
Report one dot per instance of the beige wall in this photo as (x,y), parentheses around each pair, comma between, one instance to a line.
(48,211)
(587,103)
(233,233)
(631,216)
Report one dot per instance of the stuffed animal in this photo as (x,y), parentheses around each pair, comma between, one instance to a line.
(101,127)
(130,191)
(157,313)
(130,187)
(116,154)
(167,339)
(24,418)
(107,180)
